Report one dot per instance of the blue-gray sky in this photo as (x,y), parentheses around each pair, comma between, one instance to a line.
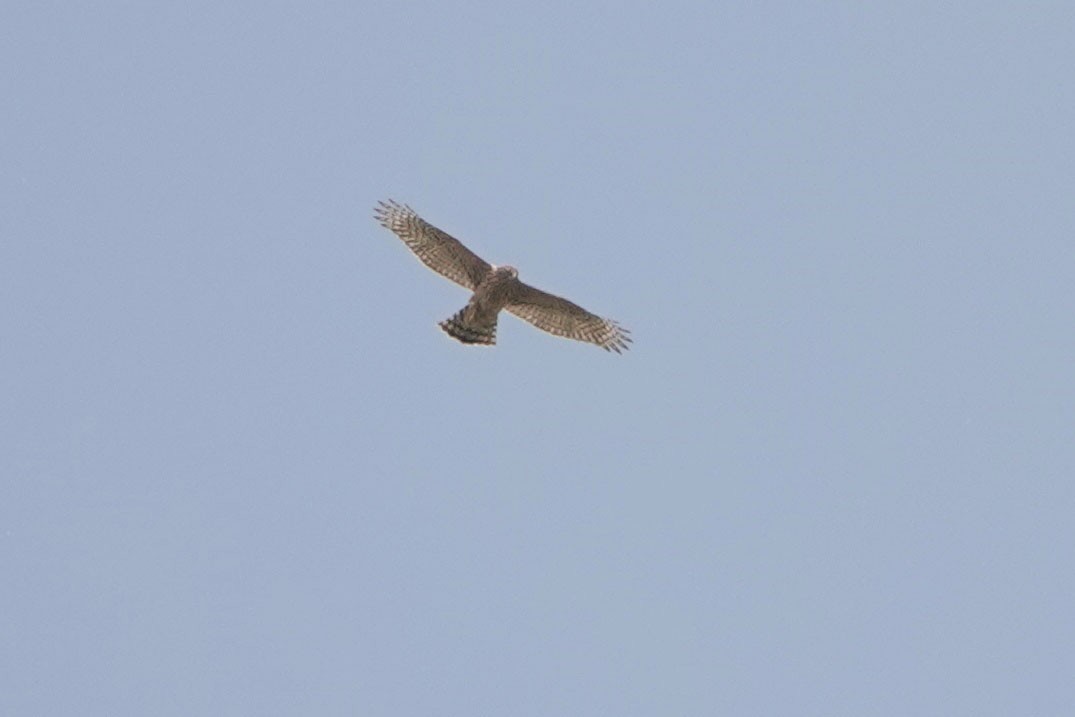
(243,473)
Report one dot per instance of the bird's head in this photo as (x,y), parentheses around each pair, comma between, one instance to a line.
(509,271)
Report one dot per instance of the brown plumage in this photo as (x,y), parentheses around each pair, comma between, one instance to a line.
(495,288)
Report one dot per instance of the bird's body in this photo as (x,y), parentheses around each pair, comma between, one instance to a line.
(495,288)
(476,322)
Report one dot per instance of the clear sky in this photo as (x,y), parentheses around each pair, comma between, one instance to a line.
(243,473)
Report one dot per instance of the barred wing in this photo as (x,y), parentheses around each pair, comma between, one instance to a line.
(561,317)
(438,250)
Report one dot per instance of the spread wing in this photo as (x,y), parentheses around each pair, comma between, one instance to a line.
(438,250)
(560,317)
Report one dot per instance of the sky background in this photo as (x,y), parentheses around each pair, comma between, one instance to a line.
(243,473)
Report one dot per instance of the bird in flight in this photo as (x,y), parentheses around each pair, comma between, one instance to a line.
(495,288)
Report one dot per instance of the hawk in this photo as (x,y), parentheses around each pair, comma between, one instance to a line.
(495,288)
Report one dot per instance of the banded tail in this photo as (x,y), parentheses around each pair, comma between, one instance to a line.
(469,333)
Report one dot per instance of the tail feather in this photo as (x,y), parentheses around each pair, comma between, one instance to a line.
(469,333)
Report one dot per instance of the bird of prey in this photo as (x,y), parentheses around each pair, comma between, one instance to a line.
(495,288)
